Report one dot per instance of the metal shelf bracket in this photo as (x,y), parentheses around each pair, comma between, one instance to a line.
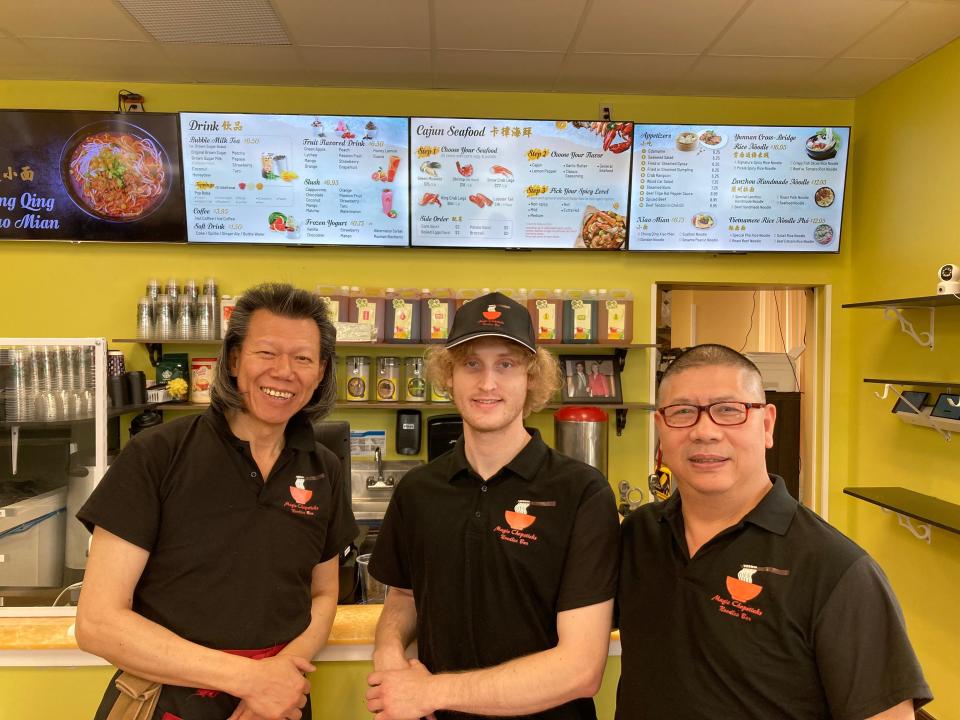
(921,531)
(621,420)
(620,354)
(924,338)
(155,351)
(14,447)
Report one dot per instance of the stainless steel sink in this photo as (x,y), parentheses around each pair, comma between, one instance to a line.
(372,485)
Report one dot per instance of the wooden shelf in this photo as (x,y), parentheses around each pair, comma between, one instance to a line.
(925,508)
(400,346)
(927,301)
(922,383)
(381,405)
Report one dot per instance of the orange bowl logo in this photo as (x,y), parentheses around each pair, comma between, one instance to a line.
(301,496)
(518,521)
(491,313)
(742,591)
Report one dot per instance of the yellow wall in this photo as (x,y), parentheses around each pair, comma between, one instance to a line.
(91,289)
(905,195)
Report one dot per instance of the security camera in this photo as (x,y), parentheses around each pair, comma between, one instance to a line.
(949,276)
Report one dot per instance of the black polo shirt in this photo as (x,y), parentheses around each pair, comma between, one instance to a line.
(487,589)
(231,556)
(780,616)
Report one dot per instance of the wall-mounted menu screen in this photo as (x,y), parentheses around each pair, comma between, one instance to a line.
(541,184)
(296,179)
(723,188)
(90,176)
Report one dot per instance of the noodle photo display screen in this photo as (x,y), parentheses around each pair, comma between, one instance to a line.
(90,176)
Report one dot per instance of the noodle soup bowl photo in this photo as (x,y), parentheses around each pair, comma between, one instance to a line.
(115,171)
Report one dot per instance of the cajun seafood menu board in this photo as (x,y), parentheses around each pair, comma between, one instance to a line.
(729,188)
(90,176)
(295,179)
(541,184)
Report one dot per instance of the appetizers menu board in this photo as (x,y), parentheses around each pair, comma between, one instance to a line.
(738,188)
(90,175)
(541,184)
(296,179)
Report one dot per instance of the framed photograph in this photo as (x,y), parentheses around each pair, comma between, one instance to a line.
(589,379)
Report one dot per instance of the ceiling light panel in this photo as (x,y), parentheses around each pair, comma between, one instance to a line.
(239,22)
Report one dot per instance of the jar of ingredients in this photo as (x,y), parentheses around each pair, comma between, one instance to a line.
(367,307)
(336,297)
(358,378)
(414,382)
(437,307)
(201,378)
(580,316)
(388,379)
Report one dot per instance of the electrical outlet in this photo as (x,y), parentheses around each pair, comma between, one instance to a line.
(606,111)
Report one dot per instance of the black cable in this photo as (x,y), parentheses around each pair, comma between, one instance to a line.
(750,329)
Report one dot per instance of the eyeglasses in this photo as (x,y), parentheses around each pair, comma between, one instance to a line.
(722,413)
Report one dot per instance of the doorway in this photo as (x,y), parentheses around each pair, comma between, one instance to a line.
(783,329)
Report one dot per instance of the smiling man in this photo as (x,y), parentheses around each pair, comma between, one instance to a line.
(213,574)
(736,601)
(501,553)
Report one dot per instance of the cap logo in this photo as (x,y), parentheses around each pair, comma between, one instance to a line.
(491,313)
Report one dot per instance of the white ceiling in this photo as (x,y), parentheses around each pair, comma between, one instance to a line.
(762,48)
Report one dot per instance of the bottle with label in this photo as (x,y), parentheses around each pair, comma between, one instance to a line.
(580,316)
(414,382)
(388,379)
(437,307)
(616,316)
(336,300)
(358,378)
(403,315)
(465,295)
(227,304)
(546,312)
(367,306)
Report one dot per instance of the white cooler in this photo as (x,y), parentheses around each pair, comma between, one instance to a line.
(32,540)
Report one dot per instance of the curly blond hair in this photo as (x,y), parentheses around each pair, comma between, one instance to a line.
(543,373)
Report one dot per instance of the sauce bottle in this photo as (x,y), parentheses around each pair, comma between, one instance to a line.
(546,312)
(402,323)
(616,317)
(367,306)
(580,316)
(437,307)
(336,298)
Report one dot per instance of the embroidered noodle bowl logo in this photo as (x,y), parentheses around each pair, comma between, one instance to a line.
(519,518)
(299,492)
(742,589)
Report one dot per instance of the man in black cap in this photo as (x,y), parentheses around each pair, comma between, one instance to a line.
(500,554)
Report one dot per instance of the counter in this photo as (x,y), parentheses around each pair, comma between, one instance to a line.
(44,637)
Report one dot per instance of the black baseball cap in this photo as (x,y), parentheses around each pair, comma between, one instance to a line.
(493,315)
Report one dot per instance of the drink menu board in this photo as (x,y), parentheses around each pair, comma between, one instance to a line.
(723,188)
(296,179)
(90,176)
(543,184)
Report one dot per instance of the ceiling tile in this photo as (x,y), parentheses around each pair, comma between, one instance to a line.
(648,26)
(604,72)
(508,25)
(918,29)
(497,70)
(373,67)
(82,19)
(101,59)
(813,28)
(755,77)
(379,23)
(242,58)
(850,77)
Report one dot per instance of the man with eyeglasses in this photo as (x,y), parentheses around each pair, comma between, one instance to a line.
(736,601)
